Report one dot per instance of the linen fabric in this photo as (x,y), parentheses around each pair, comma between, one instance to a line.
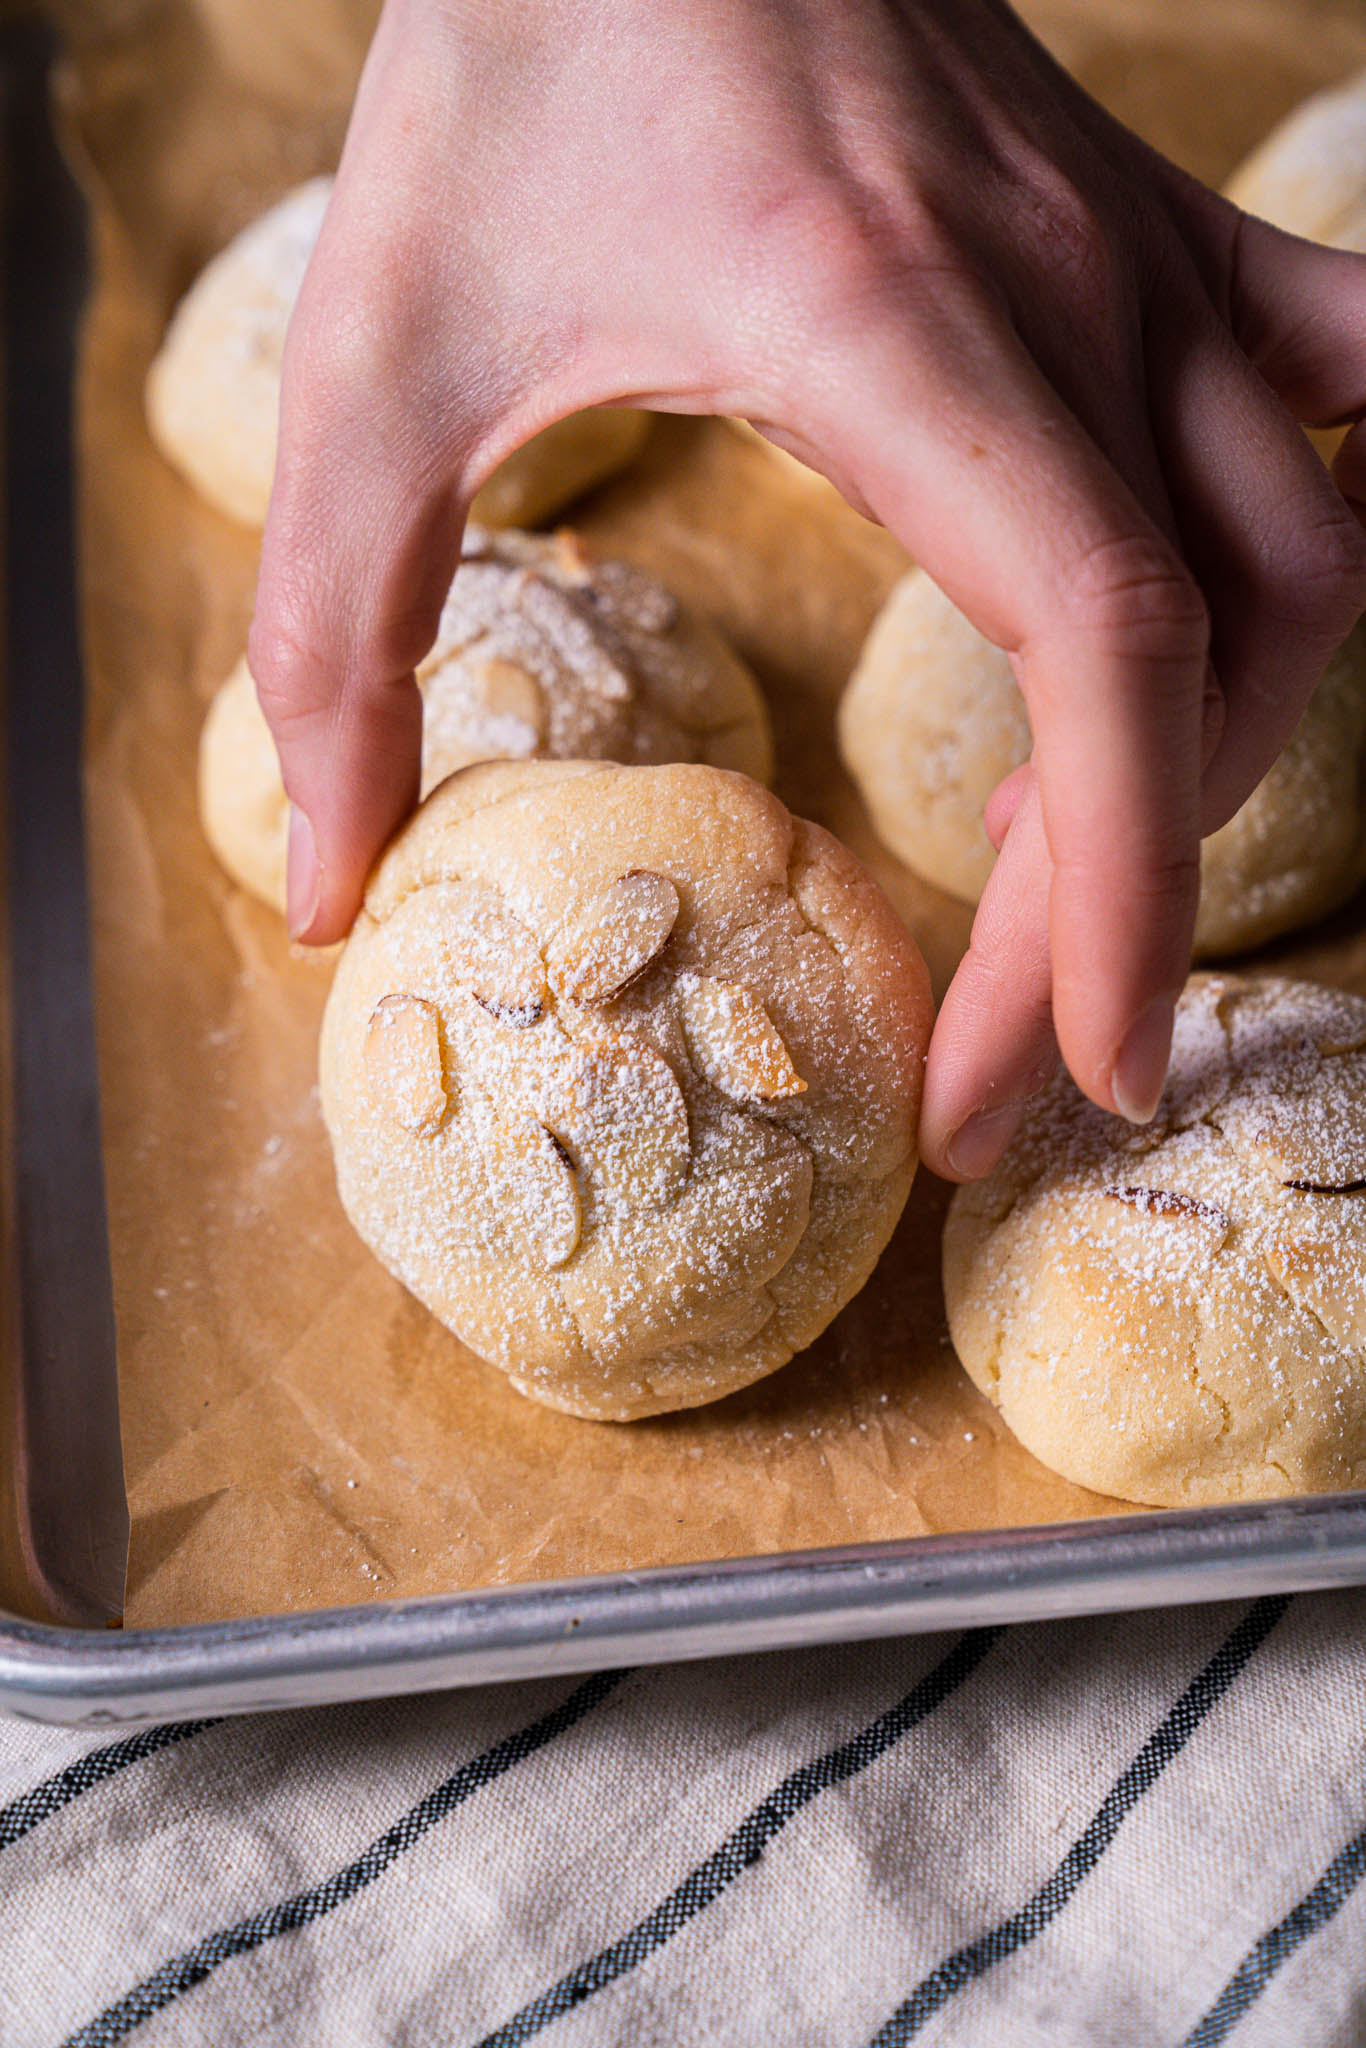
(1135,1829)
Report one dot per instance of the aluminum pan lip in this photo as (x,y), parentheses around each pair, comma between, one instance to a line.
(674,1613)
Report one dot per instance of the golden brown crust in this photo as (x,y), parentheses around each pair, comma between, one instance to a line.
(933,719)
(624,1219)
(541,650)
(1176,1314)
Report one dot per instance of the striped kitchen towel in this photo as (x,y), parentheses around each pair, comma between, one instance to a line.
(1137,1830)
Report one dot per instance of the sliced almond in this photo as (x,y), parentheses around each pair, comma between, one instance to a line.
(490,953)
(572,559)
(614,937)
(734,1041)
(584,653)
(1310,1137)
(403,1062)
(1167,1202)
(1325,1276)
(535,1188)
(1336,1022)
(510,691)
(520,1015)
(1344,1037)
(620,1106)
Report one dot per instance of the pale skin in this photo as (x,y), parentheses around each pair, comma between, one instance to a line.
(899,239)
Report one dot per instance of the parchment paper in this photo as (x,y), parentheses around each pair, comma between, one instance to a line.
(297,1431)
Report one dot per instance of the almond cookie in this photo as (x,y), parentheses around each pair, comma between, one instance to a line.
(1309,176)
(621,1068)
(213,391)
(933,718)
(1177,1314)
(540,651)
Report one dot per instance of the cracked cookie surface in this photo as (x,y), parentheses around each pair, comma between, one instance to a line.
(213,390)
(933,719)
(541,651)
(1177,1314)
(621,1068)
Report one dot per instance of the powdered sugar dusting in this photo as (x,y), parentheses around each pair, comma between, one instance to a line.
(596,1211)
(543,651)
(1177,1312)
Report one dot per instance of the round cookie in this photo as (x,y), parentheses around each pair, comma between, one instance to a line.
(213,390)
(1309,176)
(1177,1314)
(933,719)
(622,1068)
(540,651)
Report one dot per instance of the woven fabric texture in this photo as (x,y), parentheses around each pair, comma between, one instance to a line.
(1141,1831)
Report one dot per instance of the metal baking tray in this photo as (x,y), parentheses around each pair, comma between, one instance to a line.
(63,1513)
(622,1618)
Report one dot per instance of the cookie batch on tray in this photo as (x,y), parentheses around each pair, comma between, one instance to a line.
(541,650)
(621,1064)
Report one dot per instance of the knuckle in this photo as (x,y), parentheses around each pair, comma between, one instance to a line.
(1309,573)
(304,665)
(312,646)
(1080,229)
(1135,587)
(347,347)
(1326,572)
(1075,241)
(294,679)
(373,310)
(858,243)
(1168,879)
(991,986)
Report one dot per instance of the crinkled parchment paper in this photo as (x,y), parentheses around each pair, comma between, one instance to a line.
(297,1431)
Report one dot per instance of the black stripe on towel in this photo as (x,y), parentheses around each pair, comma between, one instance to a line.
(1279,1943)
(25,1812)
(181,1973)
(981,1955)
(745,1846)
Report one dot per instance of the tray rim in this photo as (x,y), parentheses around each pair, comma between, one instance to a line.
(675,1613)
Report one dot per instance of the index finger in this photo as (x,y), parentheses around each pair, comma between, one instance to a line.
(1000,493)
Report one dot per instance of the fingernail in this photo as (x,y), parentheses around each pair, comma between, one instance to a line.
(301,875)
(977,1144)
(1140,1071)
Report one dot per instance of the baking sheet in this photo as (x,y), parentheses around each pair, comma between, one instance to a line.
(63,1510)
(297,1432)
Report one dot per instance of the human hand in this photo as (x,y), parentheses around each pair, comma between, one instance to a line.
(905,244)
